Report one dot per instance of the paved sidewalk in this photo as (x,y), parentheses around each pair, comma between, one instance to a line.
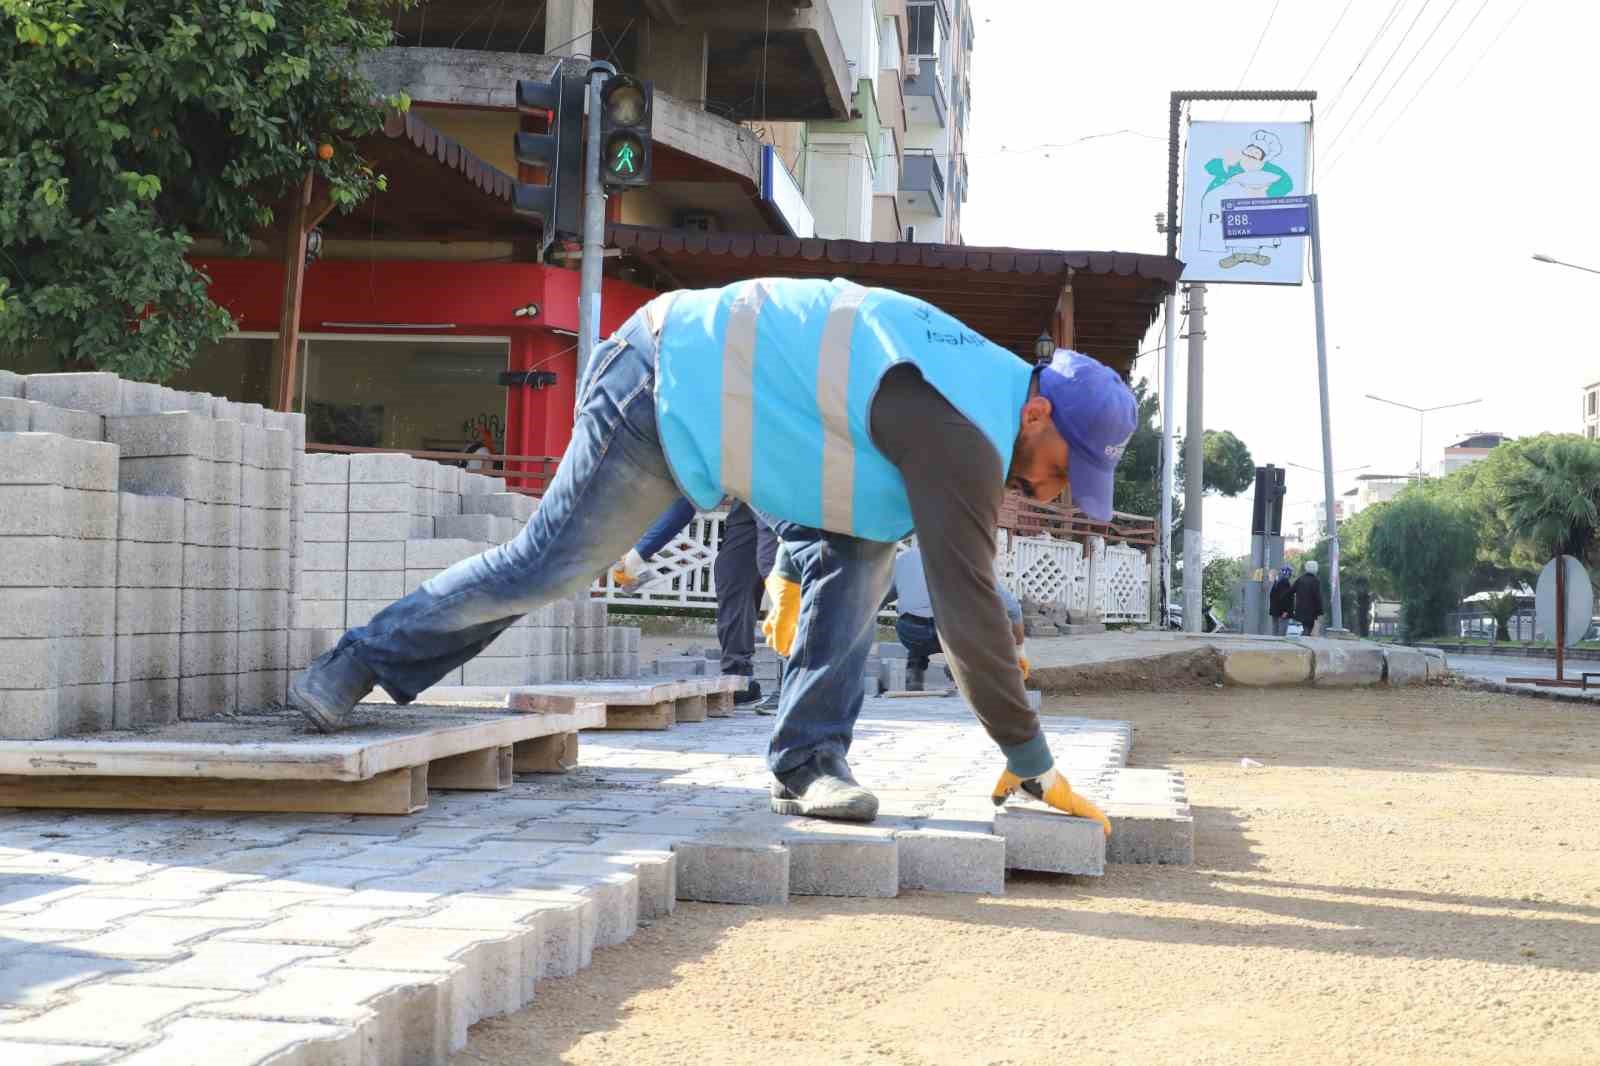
(336,940)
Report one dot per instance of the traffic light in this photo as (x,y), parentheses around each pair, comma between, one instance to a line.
(625,112)
(559,150)
(1267,514)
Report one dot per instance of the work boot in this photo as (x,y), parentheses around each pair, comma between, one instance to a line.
(330,687)
(751,694)
(914,677)
(768,706)
(823,787)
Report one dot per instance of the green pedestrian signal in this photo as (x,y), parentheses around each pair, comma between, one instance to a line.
(625,114)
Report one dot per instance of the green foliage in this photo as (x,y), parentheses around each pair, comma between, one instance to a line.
(1360,581)
(1229,469)
(1138,476)
(1501,607)
(131,124)
(1426,549)
(1552,498)
(1218,582)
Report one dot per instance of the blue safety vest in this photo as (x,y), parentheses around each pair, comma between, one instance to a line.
(764,392)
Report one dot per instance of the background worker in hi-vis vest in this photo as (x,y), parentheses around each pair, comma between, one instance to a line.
(846,417)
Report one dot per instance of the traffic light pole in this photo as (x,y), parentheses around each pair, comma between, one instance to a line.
(594,228)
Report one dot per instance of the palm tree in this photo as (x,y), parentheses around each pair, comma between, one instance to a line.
(1553,501)
(1501,607)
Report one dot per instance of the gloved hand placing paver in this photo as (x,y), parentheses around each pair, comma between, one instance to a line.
(1050,788)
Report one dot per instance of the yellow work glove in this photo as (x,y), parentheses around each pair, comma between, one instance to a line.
(784,616)
(1022,661)
(1053,789)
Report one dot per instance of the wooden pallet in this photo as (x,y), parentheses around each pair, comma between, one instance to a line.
(384,764)
(651,703)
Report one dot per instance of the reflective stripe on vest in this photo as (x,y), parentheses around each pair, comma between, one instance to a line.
(833,403)
(738,388)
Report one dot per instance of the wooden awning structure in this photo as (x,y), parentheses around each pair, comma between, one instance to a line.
(1010,295)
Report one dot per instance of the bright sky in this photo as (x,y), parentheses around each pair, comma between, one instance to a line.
(1431,207)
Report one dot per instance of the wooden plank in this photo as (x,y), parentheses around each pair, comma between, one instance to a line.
(546,755)
(661,716)
(690,708)
(403,791)
(484,770)
(279,747)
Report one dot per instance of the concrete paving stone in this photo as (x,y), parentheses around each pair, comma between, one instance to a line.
(144,704)
(50,510)
(150,519)
(207,695)
(247,1040)
(386,555)
(28,1053)
(263,569)
(326,585)
(186,477)
(79,915)
(55,612)
(439,554)
(226,486)
(326,558)
(208,653)
(260,689)
(382,467)
(616,895)
(1265,666)
(495,671)
(244,902)
(16,415)
(306,644)
(12,384)
(265,528)
(484,967)
(316,923)
(263,609)
(943,860)
(227,965)
(320,498)
(210,568)
(1404,666)
(211,525)
(265,489)
(40,976)
(322,468)
(730,869)
(832,862)
(470,527)
(148,657)
(268,447)
(652,865)
(109,1014)
(1050,842)
(146,938)
(362,612)
(263,650)
(77,425)
(149,566)
(375,584)
(1345,663)
(401,1017)
(1150,834)
(380,498)
(98,392)
(53,459)
(208,610)
(149,436)
(227,440)
(325,528)
(141,398)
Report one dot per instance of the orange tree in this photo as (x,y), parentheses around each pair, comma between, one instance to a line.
(131,124)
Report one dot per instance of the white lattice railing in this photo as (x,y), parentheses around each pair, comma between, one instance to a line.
(1041,569)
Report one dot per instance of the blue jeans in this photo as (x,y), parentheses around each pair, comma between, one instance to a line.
(921,639)
(672,520)
(842,581)
(612,481)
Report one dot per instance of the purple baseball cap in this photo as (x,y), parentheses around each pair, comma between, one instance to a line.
(1096,412)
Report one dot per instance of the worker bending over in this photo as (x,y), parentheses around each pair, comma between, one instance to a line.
(846,417)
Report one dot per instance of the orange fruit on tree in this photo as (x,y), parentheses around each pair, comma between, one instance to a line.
(324,152)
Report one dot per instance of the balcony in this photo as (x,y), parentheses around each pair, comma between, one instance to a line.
(926,103)
(921,185)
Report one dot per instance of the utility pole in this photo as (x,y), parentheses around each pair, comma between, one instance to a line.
(1194,462)
(594,227)
(1169,363)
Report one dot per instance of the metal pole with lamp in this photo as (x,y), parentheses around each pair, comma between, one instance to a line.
(1422,413)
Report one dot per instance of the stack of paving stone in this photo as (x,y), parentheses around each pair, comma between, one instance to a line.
(316,619)
(149,610)
(266,536)
(58,561)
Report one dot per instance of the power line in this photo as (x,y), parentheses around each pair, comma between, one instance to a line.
(1492,43)
(1376,111)
(1381,72)
(1382,29)
(1447,54)
(1325,42)
(1255,51)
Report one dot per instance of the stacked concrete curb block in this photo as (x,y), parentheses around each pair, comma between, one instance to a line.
(1344,664)
(317,615)
(1405,666)
(266,536)
(384,505)
(149,610)
(58,561)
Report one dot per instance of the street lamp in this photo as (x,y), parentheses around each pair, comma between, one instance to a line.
(1044,348)
(1538,258)
(1422,414)
(1318,469)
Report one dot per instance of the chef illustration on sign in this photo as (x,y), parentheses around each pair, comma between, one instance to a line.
(1246,175)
